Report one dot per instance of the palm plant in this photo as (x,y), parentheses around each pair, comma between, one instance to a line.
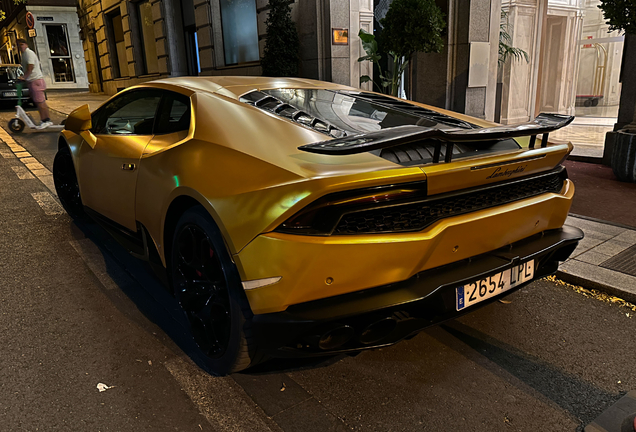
(506,50)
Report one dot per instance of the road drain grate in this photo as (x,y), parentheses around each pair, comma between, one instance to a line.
(624,262)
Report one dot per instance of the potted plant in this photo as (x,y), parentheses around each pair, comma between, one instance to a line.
(280,57)
(621,15)
(409,26)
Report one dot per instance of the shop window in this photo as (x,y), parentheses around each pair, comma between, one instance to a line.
(60,53)
(240,34)
(147,33)
(117,50)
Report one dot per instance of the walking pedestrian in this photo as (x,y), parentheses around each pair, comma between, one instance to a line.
(35,79)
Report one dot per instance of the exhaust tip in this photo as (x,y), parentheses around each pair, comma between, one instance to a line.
(377,331)
(335,338)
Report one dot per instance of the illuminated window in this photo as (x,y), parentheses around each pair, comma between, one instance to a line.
(60,53)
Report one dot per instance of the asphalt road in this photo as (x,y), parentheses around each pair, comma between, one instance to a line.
(78,313)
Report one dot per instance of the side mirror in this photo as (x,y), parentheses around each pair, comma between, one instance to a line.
(79,120)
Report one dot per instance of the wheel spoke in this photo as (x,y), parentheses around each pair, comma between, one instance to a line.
(66,183)
(201,290)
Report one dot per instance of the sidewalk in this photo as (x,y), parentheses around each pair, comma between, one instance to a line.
(66,102)
(606,258)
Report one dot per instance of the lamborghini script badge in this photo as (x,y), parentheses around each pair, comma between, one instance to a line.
(498,172)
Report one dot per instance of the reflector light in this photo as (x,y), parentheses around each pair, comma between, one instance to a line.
(257,283)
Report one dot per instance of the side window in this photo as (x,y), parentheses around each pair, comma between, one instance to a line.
(175,114)
(132,113)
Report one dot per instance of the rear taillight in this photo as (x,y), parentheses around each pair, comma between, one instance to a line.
(323,215)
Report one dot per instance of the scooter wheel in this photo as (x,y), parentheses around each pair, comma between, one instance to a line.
(16,125)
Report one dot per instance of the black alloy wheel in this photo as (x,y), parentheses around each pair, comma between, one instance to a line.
(207,286)
(66,184)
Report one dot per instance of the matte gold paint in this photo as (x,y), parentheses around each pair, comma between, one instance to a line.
(243,165)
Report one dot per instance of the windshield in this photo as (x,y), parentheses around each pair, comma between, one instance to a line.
(10,73)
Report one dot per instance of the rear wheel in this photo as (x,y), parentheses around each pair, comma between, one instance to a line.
(16,125)
(66,184)
(207,286)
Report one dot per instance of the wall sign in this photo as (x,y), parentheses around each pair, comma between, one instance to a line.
(30,20)
(32,33)
(41,18)
(340,36)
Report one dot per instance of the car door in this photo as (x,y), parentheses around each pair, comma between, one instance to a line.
(108,171)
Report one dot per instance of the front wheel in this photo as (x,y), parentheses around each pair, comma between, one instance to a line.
(16,125)
(66,184)
(207,285)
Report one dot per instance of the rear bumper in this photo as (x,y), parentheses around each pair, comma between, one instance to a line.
(384,315)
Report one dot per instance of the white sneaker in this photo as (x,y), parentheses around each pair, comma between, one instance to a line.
(44,125)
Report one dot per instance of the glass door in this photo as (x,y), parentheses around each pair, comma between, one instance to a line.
(60,53)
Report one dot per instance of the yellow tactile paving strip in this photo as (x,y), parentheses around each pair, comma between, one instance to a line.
(35,167)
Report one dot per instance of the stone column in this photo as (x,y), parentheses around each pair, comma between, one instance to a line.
(205,36)
(520,78)
(319,58)
(463,76)
(175,38)
(361,17)
(339,14)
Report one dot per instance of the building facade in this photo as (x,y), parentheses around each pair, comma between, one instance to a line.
(574,61)
(128,42)
(52,30)
(108,45)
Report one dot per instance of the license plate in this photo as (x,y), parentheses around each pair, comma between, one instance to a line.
(475,292)
(9,93)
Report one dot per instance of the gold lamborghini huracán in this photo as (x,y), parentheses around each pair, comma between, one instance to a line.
(294,217)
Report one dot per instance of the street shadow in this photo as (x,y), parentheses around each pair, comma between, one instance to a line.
(288,365)
(145,299)
(581,399)
(139,294)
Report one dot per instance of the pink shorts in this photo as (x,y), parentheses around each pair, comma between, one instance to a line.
(36,90)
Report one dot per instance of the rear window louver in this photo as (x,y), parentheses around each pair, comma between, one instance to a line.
(276,106)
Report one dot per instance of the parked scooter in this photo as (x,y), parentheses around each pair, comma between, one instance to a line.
(23,119)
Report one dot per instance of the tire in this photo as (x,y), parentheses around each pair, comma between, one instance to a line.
(66,185)
(208,288)
(16,125)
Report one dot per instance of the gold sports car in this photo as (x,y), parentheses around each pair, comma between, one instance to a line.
(294,217)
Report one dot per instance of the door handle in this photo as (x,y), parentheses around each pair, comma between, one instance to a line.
(128,167)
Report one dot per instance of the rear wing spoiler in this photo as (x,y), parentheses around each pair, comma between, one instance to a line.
(543,124)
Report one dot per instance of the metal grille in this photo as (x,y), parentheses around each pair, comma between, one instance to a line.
(417,216)
(624,262)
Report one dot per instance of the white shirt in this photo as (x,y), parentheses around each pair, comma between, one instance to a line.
(30,58)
